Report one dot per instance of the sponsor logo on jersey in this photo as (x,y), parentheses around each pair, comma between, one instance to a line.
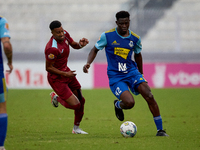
(51,56)
(6,33)
(115,43)
(122,52)
(122,67)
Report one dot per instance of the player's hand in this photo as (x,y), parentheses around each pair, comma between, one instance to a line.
(10,67)
(70,74)
(83,42)
(86,67)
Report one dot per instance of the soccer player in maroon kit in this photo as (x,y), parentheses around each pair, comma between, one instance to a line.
(60,77)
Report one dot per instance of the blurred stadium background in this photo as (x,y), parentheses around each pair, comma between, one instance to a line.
(169,29)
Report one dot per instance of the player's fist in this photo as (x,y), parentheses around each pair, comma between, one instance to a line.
(83,42)
(86,67)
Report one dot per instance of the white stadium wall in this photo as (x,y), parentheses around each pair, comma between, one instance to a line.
(32,75)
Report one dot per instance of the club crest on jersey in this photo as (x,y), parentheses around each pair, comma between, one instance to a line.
(131,44)
(6,26)
(51,56)
(66,42)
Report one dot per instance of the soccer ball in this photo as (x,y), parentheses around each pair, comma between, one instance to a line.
(128,129)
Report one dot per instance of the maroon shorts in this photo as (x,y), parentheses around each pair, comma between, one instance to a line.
(64,89)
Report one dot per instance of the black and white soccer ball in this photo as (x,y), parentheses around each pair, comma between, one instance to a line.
(128,129)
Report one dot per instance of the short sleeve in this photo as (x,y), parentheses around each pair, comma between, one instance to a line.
(51,54)
(138,47)
(102,42)
(4,29)
(68,37)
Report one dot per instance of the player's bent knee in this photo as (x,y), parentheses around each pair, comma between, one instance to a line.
(130,104)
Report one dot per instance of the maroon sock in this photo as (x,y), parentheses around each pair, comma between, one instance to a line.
(79,113)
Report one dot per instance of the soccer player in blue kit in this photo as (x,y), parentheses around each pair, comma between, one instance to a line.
(122,71)
(7,47)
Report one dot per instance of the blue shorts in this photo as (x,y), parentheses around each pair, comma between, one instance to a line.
(3,91)
(131,83)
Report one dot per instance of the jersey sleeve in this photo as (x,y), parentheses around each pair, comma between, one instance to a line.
(138,47)
(102,42)
(4,29)
(68,37)
(51,54)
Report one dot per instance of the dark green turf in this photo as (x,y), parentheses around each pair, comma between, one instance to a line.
(34,124)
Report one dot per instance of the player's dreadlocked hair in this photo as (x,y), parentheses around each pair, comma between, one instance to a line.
(55,24)
(122,14)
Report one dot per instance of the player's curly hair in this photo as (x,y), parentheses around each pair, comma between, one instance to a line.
(122,14)
(55,24)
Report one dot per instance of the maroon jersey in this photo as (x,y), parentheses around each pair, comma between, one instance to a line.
(58,52)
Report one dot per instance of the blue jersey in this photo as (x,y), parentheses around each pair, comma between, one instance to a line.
(119,52)
(4,32)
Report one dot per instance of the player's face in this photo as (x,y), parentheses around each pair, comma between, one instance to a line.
(123,25)
(58,34)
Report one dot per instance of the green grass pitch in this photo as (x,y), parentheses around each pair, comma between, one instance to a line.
(34,124)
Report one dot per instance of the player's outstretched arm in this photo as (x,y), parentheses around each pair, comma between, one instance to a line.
(91,57)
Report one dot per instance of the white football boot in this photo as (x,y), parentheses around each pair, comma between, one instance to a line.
(54,101)
(78,131)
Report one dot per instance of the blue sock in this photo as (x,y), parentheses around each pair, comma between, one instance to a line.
(3,128)
(158,122)
(117,104)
